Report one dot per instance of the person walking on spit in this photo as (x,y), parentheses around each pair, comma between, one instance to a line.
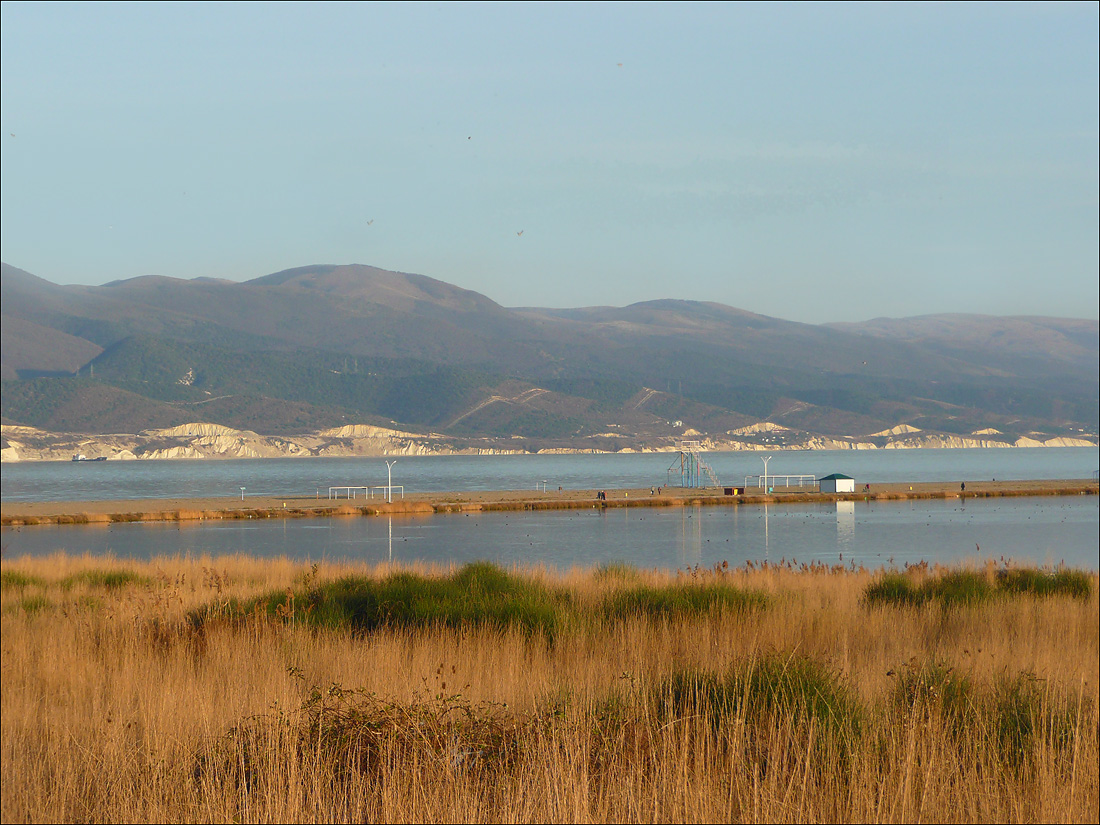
(962,487)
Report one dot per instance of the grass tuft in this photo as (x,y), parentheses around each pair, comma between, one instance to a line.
(342,734)
(477,595)
(679,600)
(35,604)
(762,689)
(16,580)
(1074,583)
(940,687)
(106,579)
(968,587)
(616,571)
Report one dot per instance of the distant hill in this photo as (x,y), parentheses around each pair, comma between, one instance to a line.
(1028,346)
(326,345)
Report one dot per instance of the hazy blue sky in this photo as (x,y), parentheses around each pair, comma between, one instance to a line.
(819,163)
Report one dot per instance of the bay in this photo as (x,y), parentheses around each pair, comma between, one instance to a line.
(110,480)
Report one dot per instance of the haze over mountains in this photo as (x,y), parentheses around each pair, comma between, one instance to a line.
(326,346)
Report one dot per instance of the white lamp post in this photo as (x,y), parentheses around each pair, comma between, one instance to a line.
(766,460)
(389,480)
(242,494)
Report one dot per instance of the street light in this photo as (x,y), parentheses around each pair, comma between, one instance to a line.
(389,480)
(766,460)
(242,494)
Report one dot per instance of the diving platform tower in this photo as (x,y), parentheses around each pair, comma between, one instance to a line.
(689,469)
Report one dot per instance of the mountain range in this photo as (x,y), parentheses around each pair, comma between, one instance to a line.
(327,346)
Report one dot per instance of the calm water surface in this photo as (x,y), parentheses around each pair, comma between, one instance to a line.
(109,480)
(1039,530)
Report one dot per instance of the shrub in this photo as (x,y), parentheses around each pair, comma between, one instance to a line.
(341,733)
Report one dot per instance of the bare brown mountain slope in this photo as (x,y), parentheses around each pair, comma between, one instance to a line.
(438,349)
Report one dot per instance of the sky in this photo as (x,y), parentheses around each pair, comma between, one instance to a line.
(816,163)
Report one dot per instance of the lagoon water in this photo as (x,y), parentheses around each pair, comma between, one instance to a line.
(1040,530)
(1036,530)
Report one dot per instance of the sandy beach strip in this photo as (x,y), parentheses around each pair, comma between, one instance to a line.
(305,506)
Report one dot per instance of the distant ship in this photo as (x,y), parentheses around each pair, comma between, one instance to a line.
(82,457)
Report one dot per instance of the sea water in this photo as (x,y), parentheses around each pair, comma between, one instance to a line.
(292,477)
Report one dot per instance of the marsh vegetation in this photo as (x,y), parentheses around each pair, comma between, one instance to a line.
(244,690)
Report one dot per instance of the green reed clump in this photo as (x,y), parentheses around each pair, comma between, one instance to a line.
(679,600)
(1075,583)
(764,689)
(1008,718)
(106,579)
(615,571)
(968,587)
(893,588)
(34,604)
(14,580)
(1024,713)
(965,587)
(479,594)
(934,685)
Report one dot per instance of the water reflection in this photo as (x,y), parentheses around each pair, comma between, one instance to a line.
(845,525)
(1040,530)
(767,546)
(691,536)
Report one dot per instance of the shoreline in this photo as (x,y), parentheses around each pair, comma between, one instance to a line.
(20,514)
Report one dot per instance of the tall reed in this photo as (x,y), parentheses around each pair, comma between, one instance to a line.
(207,690)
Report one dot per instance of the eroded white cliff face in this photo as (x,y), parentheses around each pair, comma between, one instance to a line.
(943,442)
(213,441)
(900,429)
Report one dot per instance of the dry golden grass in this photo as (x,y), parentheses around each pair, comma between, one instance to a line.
(116,708)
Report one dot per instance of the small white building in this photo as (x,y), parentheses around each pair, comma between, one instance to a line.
(837,483)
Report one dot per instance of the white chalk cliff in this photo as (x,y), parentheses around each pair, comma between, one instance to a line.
(212,441)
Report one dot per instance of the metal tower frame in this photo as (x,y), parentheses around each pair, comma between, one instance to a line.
(692,468)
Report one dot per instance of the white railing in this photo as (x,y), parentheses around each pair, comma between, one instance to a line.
(367,492)
(382,490)
(349,492)
(800,480)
